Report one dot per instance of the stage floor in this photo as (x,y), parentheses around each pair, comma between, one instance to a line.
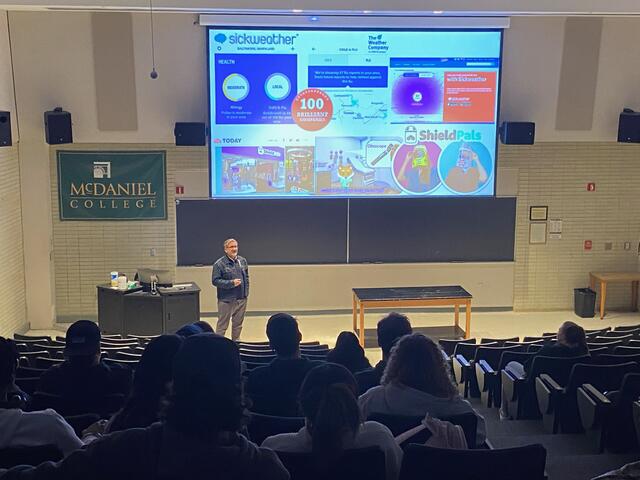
(326,327)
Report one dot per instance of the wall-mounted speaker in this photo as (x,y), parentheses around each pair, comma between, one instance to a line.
(5,129)
(629,126)
(190,133)
(517,133)
(57,127)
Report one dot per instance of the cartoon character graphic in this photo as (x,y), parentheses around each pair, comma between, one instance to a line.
(468,174)
(345,174)
(416,178)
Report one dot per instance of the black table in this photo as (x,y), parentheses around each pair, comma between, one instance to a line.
(136,312)
(433,296)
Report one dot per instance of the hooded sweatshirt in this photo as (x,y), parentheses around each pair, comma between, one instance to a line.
(31,429)
(398,399)
(160,452)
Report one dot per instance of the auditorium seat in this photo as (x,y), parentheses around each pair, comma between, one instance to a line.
(622,328)
(65,406)
(525,344)
(44,362)
(123,363)
(30,357)
(499,341)
(31,338)
(28,372)
(521,392)
(14,456)
(596,331)
(257,359)
(558,404)
(625,350)
(598,350)
(127,356)
(401,423)
(362,463)
(609,344)
(609,359)
(534,347)
(467,366)
(428,463)
(449,345)
(607,417)
(635,333)
(261,426)
(27,384)
(489,379)
(544,337)
(466,350)
(633,343)
(606,338)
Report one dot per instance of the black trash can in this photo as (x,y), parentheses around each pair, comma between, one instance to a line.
(584,300)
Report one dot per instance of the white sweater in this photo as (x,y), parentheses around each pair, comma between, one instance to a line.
(370,434)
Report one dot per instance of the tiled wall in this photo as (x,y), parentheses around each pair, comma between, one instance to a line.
(85,252)
(552,174)
(12,287)
(556,175)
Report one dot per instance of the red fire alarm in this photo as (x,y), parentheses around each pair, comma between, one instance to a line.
(588,244)
(591,187)
(179,190)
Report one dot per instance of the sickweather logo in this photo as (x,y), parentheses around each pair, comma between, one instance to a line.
(258,39)
(220,38)
(377,44)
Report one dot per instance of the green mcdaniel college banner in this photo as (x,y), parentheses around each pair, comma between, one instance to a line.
(112,185)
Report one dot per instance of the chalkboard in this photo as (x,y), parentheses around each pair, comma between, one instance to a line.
(431,230)
(301,231)
(268,231)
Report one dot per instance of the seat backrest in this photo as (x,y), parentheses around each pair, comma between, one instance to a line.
(31,338)
(14,456)
(492,355)
(363,463)
(630,388)
(401,423)
(262,359)
(622,333)
(597,331)
(448,345)
(622,328)
(558,368)
(262,426)
(28,384)
(468,350)
(624,350)
(600,344)
(29,372)
(511,356)
(597,351)
(44,363)
(312,348)
(524,463)
(537,339)
(103,406)
(633,343)
(499,341)
(603,377)
(534,347)
(607,339)
(609,359)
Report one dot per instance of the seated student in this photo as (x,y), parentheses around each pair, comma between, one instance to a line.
(204,326)
(328,397)
(151,384)
(390,328)
(349,353)
(28,429)
(417,381)
(83,377)
(197,439)
(572,342)
(274,388)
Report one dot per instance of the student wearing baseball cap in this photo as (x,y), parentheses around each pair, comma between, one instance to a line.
(83,377)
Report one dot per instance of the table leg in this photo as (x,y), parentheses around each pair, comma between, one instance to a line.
(456,310)
(355,309)
(634,296)
(467,332)
(603,297)
(361,325)
(592,282)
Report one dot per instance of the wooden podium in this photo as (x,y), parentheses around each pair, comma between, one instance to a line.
(136,312)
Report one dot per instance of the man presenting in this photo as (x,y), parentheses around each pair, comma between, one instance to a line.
(231,278)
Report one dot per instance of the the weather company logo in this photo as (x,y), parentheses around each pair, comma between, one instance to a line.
(220,38)
(377,44)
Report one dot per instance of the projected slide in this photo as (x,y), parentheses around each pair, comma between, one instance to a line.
(351,113)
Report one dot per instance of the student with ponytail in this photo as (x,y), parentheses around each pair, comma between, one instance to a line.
(328,398)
